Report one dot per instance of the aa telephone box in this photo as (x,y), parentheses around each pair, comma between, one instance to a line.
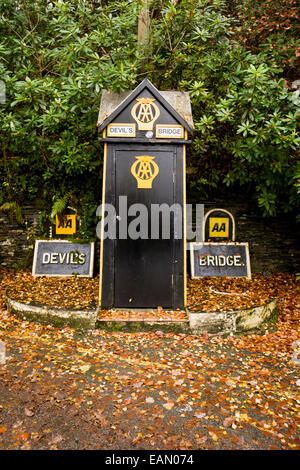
(143,261)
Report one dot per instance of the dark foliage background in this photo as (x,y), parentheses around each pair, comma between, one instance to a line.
(237,59)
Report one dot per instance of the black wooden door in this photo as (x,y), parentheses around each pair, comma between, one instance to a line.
(144,267)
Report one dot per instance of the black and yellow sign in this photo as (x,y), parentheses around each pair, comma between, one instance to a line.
(219,226)
(66,224)
(143,262)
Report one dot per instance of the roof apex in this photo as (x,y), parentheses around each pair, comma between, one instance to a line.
(176,102)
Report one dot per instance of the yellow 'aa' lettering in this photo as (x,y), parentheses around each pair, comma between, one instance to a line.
(218,227)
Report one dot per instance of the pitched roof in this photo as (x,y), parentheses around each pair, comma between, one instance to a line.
(177,104)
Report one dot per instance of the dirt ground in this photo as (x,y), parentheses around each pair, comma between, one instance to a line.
(65,389)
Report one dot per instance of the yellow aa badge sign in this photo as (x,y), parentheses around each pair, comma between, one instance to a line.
(218,227)
(145,112)
(66,225)
(144,169)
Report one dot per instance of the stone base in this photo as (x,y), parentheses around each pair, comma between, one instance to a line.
(235,321)
(81,319)
(215,323)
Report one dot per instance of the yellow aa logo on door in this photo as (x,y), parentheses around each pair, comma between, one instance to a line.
(144,169)
(145,112)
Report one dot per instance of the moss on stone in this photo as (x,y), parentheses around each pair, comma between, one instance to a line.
(55,317)
(136,326)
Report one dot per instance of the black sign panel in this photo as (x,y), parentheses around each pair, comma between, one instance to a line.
(219,226)
(63,258)
(220,259)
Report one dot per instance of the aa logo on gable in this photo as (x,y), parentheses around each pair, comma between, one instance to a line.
(218,227)
(145,112)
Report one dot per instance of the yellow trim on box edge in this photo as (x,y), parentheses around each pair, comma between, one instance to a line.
(102,220)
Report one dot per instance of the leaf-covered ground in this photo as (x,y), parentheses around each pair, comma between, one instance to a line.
(62,389)
(206,294)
